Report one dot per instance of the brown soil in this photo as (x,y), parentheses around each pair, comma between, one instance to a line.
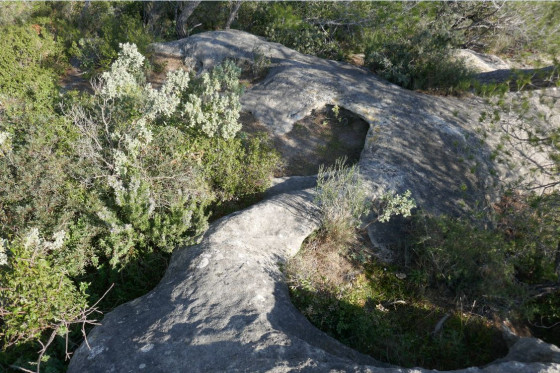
(325,260)
(161,65)
(357,59)
(73,79)
(319,139)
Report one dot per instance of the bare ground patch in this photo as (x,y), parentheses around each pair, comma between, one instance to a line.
(73,79)
(161,65)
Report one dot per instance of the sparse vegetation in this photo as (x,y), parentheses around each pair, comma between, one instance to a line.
(449,287)
(261,63)
(380,309)
(342,198)
(448,273)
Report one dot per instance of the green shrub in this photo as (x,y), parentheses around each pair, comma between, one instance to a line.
(343,201)
(285,24)
(261,63)
(477,262)
(28,65)
(342,198)
(128,174)
(531,228)
(37,295)
(391,204)
(237,168)
(154,193)
(423,61)
(375,308)
(212,101)
(14,13)
(462,259)
(108,26)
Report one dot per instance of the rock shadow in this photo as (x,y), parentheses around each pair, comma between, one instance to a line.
(319,139)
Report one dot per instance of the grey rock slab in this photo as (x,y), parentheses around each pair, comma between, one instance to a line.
(427,144)
(481,62)
(222,304)
(539,77)
(281,185)
(533,349)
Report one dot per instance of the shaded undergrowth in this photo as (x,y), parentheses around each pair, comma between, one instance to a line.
(451,284)
(377,310)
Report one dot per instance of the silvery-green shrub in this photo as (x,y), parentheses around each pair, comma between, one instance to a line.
(395,204)
(343,200)
(154,195)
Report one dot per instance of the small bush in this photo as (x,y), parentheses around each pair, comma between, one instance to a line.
(391,204)
(462,259)
(36,293)
(154,195)
(343,201)
(342,198)
(284,24)
(97,47)
(423,61)
(28,65)
(35,187)
(237,168)
(260,63)
(14,13)
(530,226)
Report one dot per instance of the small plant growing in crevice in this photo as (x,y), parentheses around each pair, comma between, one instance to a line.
(341,196)
(261,62)
(336,112)
(392,204)
(343,200)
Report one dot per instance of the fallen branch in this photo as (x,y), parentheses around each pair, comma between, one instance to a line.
(542,290)
(83,319)
(544,326)
(387,304)
(440,323)
(22,369)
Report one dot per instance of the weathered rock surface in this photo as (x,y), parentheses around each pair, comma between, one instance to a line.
(222,305)
(481,62)
(492,69)
(427,144)
(540,78)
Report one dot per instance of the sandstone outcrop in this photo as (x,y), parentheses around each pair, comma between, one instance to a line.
(480,62)
(223,305)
